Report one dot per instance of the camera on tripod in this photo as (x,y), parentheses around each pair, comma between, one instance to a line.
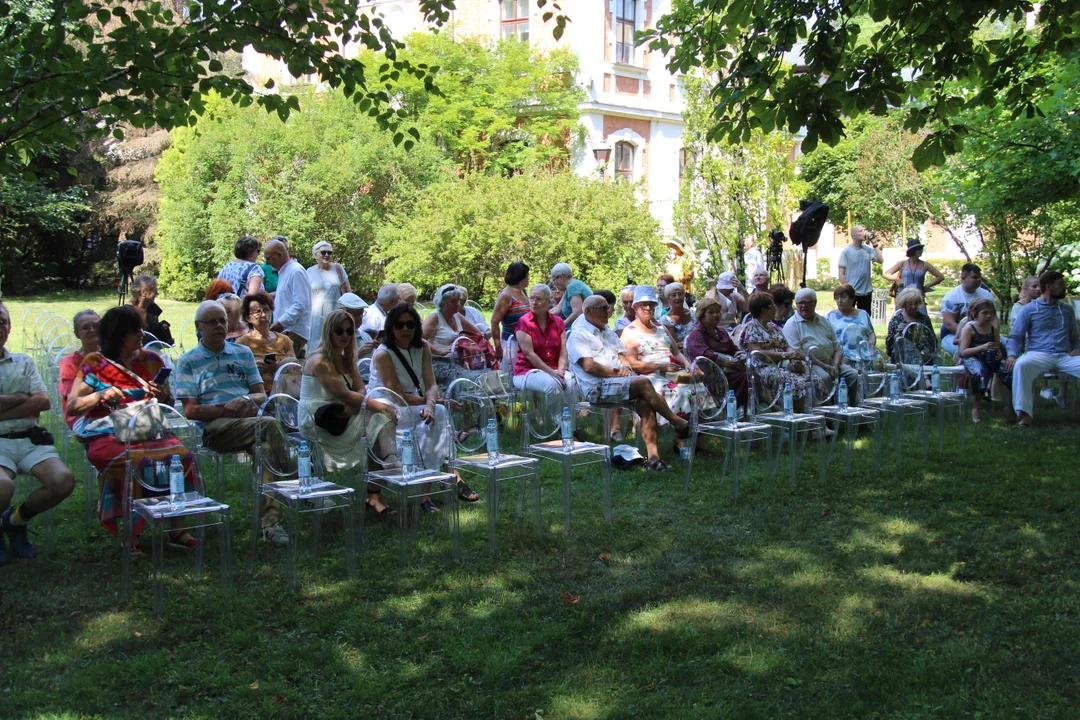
(774,257)
(129,255)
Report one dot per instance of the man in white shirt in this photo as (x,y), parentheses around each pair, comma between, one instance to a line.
(375,315)
(857,264)
(806,329)
(598,361)
(753,259)
(954,304)
(292,303)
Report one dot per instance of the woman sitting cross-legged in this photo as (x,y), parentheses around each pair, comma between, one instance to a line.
(541,339)
(121,374)
(760,335)
(403,364)
(332,399)
(653,351)
(709,340)
(980,348)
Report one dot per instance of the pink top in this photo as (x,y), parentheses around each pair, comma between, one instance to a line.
(546,344)
(69,368)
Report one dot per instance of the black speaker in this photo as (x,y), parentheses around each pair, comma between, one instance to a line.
(806,229)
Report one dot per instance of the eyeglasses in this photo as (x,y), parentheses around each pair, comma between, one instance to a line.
(603,307)
(326,253)
(538,300)
(405,325)
(344,331)
(256,311)
(221,322)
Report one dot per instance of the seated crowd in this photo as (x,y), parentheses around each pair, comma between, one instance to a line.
(560,339)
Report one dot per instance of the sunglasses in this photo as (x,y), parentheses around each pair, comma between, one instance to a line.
(405,325)
(326,253)
(344,331)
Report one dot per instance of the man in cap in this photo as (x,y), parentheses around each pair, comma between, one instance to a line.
(806,330)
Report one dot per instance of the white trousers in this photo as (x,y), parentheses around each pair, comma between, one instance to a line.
(1032,365)
(544,383)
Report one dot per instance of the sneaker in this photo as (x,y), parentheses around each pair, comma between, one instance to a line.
(1046,393)
(21,546)
(275,534)
(322,504)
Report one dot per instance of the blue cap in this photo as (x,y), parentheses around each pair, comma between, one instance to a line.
(645,294)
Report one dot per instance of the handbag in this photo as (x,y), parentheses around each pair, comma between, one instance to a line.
(332,418)
(144,428)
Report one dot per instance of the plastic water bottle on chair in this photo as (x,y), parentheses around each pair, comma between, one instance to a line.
(176,483)
(842,395)
(407,453)
(492,437)
(732,409)
(303,467)
(789,401)
(567,425)
(935,381)
(894,384)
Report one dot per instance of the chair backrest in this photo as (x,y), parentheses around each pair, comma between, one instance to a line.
(148,426)
(383,450)
(165,350)
(736,335)
(924,338)
(181,343)
(283,411)
(766,387)
(542,413)
(363,366)
(909,363)
(817,398)
(709,382)
(466,354)
(468,411)
(287,379)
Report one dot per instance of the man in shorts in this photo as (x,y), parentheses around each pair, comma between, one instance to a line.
(598,360)
(23,448)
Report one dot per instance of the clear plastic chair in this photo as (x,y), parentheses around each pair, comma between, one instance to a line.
(851,417)
(185,327)
(219,458)
(541,438)
(926,340)
(287,379)
(167,352)
(283,411)
(423,482)
(793,430)
(363,366)
(197,512)
(710,419)
(914,379)
(896,409)
(469,410)
(29,320)
(473,365)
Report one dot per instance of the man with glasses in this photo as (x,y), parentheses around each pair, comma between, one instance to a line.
(221,388)
(598,360)
(806,329)
(954,304)
(25,447)
(292,302)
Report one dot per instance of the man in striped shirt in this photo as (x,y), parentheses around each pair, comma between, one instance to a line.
(221,388)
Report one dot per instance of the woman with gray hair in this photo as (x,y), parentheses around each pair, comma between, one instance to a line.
(573,296)
(678,318)
(444,326)
(541,336)
(329,282)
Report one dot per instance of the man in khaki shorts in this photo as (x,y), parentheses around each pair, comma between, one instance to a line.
(25,447)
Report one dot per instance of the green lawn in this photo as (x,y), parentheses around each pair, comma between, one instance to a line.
(947,589)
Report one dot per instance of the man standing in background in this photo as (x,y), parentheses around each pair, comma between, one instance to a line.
(856,265)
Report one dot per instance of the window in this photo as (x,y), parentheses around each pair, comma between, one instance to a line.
(624,161)
(625,17)
(515,19)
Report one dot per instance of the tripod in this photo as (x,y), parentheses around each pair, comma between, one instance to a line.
(126,278)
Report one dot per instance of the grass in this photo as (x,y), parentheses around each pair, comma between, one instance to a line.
(943,589)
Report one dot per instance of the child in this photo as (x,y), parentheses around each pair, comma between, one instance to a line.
(980,349)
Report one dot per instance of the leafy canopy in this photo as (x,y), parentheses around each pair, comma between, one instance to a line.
(934,58)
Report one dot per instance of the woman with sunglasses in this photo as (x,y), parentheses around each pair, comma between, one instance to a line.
(403,364)
(332,396)
(329,282)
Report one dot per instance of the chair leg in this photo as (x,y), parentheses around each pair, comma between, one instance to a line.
(158,542)
(225,548)
(566,494)
(350,536)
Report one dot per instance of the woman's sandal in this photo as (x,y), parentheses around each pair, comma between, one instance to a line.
(656,466)
(466,493)
(386,511)
(429,507)
(182,540)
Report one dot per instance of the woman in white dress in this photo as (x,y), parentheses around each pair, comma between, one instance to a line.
(332,399)
(402,363)
(441,328)
(329,282)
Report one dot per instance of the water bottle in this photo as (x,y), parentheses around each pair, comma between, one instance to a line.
(894,384)
(732,409)
(303,466)
(789,401)
(567,424)
(841,394)
(492,436)
(935,381)
(176,483)
(407,453)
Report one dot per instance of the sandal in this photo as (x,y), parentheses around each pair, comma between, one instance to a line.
(182,540)
(466,493)
(386,510)
(429,507)
(616,436)
(656,466)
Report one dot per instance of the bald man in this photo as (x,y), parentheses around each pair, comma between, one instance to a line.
(857,264)
(292,303)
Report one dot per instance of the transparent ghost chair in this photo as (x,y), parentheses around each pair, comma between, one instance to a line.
(709,408)
(542,437)
(849,416)
(167,352)
(287,379)
(409,485)
(29,320)
(883,391)
(473,363)
(792,430)
(926,340)
(914,379)
(186,328)
(363,366)
(470,410)
(277,442)
(151,435)
(218,458)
